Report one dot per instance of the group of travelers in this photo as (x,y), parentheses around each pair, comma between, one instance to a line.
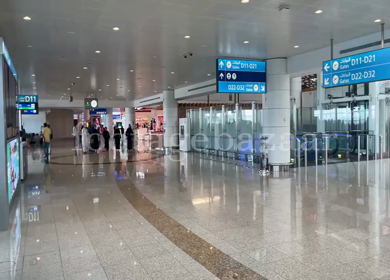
(90,138)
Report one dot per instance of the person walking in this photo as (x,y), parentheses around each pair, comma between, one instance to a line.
(46,141)
(106,136)
(117,137)
(129,135)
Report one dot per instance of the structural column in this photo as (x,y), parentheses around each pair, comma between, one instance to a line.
(171,121)
(130,117)
(277,113)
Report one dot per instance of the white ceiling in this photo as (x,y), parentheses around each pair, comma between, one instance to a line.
(64,35)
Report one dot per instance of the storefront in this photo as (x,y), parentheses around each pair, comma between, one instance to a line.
(9,135)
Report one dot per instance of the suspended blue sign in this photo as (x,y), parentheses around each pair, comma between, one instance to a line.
(241,76)
(27,98)
(361,68)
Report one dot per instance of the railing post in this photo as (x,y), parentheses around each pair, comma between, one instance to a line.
(316,150)
(305,143)
(299,153)
(367,147)
(358,148)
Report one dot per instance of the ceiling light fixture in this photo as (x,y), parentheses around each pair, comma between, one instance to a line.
(296,46)
(172,73)
(131,70)
(33,75)
(208,74)
(27,18)
(116,29)
(187,37)
(377,20)
(128,90)
(29,46)
(97,51)
(245,1)
(100,90)
(108,85)
(203,46)
(68,88)
(318,12)
(77,77)
(139,86)
(85,68)
(153,80)
(246,42)
(186,82)
(155,91)
(117,79)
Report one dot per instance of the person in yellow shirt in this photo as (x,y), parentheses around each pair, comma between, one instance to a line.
(46,141)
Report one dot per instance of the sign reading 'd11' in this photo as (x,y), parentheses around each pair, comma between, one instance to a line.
(361,68)
(241,76)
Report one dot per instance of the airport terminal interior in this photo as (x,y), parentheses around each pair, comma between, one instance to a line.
(195,140)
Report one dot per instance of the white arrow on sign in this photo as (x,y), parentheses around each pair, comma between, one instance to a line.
(326,67)
(222,75)
(327,81)
(221,64)
(262,88)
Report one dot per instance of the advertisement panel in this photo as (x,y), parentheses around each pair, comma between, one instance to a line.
(12,167)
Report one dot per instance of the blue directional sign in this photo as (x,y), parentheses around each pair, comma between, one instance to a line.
(361,68)
(241,76)
(27,98)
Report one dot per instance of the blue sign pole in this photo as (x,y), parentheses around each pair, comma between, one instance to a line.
(362,68)
(241,76)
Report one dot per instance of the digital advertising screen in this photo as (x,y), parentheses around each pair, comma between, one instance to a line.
(13,170)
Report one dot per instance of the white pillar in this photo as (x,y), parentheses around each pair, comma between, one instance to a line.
(171,121)
(277,112)
(296,88)
(130,117)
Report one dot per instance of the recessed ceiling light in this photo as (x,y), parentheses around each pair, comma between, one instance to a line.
(246,42)
(169,87)
(27,18)
(77,77)
(131,70)
(139,86)
(187,37)
(100,90)
(155,56)
(153,80)
(128,90)
(203,46)
(97,51)
(33,75)
(296,47)
(33,82)
(68,88)
(115,28)
(318,12)
(245,1)
(117,79)
(108,85)
(208,74)
(172,73)
(377,20)
(29,46)
(85,68)
(111,97)
(155,91)
(186,82)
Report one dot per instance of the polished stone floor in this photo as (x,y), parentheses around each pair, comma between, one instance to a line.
(147,216)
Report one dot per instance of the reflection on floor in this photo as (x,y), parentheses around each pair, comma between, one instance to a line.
(127,216)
